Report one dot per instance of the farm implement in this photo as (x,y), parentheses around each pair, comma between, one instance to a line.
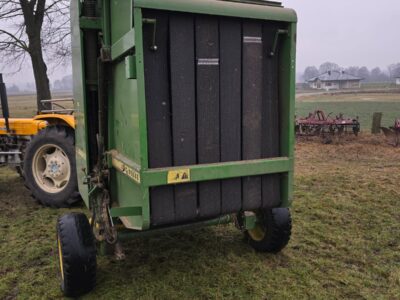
(319,124)
(393,133)
(42,150)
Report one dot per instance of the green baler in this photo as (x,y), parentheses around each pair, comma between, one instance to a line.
(184,117)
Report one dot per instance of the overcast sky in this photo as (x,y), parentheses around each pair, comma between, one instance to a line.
(347,32)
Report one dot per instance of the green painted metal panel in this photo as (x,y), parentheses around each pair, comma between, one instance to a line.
(127,122)
(144,161)
(126,211)
(223,8)
(130,67)
(123,45)
(82,164)
(287,97)
(204,172)
(121,15)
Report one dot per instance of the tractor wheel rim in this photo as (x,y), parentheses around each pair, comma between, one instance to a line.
(51,168)
(257,233)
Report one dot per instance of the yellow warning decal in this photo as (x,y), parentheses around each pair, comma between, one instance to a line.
(178,176)
(128,171)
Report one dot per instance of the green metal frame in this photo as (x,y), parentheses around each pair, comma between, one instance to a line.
(128,160)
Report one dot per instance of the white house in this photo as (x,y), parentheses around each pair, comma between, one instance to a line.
(335,80)
(398,80)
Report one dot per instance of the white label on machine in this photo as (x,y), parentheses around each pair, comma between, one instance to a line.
(208,61)
(252,40)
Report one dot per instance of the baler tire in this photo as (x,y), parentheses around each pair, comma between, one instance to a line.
(62,137)
(275,225)
(76,254)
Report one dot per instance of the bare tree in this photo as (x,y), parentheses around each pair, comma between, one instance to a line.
(328,66)
(310,72)
(37,29)
(394,70)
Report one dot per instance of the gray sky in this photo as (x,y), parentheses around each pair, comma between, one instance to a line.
(347,32)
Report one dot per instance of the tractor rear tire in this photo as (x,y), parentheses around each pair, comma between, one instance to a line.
(50,168)
(76,254)
(272,231)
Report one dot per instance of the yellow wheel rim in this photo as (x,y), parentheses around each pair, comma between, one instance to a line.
(60,258)
(257,233)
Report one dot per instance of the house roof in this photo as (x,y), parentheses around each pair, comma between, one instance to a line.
(335,76)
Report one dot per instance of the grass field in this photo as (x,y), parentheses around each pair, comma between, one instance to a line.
(345,242)
(24,106)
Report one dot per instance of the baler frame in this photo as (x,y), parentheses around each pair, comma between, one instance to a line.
(130,48)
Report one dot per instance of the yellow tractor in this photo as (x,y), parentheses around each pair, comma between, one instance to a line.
(42,149)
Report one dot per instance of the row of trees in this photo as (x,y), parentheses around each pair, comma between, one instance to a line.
(63,84)
(373,75)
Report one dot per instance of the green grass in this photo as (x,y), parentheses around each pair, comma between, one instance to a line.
(345,243)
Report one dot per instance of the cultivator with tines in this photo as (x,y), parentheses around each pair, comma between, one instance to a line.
(393,133)
(318,124)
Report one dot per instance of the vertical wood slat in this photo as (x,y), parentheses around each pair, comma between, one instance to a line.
(230,101)
(156,71)
(270,125)
(252,108)
(207,97)
(182,59)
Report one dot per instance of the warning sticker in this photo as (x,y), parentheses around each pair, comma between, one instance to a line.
(178,176)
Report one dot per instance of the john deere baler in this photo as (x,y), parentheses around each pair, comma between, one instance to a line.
(184,116)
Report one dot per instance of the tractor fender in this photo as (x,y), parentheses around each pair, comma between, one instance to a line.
(57,119)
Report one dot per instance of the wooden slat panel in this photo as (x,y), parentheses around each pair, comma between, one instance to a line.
(207,93)
(183,88)
(251,109)
(270,127)
(230,101)
(158,105)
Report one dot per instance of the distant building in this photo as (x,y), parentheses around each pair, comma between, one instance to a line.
(334,80)
(398,80)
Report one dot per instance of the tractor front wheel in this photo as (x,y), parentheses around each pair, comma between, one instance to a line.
(272,230)
(76,254)
(50,169)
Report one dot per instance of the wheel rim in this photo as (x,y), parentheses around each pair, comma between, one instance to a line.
(60,256)
(51,168)
(259,231)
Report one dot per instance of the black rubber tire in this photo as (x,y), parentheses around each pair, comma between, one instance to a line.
(64,137)
(76,242)
(277,225)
